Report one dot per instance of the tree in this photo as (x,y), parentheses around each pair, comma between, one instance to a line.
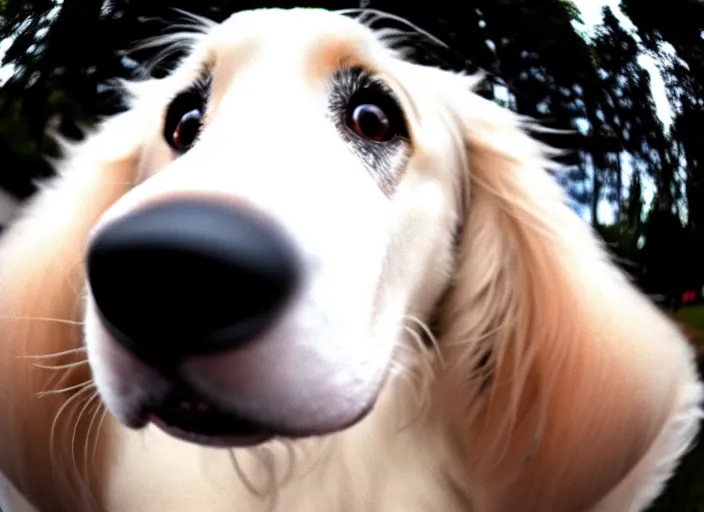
(539,63)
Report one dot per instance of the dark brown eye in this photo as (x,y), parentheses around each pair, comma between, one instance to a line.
(372,113)
(184,119)
(187,130)
(370,122)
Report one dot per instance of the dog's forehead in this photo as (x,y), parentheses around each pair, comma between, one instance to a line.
(291,25)
(319,40)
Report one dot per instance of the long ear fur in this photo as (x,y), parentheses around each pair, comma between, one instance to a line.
(49,411)
(579,394)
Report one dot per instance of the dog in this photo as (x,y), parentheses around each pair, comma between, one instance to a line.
(303,273)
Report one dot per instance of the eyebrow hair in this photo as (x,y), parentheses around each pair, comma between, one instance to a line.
(330,54)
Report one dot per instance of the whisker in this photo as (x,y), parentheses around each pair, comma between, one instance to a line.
(83,478)
(199,22)
(54,380)
(387,33)
(44,319)
(172,49)
(82,389)
(76,426)
(271,487)
(416,371)
(419,368)
(416,391)
(61,391)
(181,38)
(248,484)
(97,436)
(423,353)
(381,15)
(70,402)
(86,448)
(322,446)
(429,335)
(60,366)
(291,456)
(71,351)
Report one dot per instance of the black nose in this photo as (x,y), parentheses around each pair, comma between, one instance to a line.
(189,277)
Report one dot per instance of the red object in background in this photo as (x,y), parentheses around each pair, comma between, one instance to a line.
(689,296)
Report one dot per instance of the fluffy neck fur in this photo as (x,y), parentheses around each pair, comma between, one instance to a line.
(572,408)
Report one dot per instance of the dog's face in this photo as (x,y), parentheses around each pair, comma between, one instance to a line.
(284,225)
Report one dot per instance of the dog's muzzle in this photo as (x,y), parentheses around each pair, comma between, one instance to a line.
(196,302)
(188,277)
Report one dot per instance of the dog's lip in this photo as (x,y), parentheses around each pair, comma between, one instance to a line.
(196,420)
(180,410)
(200,423)
(251,439)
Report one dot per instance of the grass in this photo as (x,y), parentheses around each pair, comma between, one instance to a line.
(685,491)
(692,317)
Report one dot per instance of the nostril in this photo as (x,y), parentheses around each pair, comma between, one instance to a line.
(187,277)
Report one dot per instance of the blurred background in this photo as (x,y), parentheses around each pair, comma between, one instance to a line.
(624,77)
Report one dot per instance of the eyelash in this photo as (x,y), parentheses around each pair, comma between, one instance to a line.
(195,97)
(352,85)
(348,81)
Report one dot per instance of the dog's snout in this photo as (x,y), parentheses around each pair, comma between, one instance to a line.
(189,277)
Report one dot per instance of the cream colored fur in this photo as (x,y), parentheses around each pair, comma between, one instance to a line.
(587,402)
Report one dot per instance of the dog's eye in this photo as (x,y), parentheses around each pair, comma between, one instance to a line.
(371,122)
(374,116)
(187,130)
(184,120)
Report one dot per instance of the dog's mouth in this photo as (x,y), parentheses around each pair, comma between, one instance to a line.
(191,417)
(197,420)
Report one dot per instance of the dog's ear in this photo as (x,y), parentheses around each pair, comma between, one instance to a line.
(41,292)
(578,393)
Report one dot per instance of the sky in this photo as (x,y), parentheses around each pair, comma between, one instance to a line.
(5,71)
(591,11)
(591,15)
